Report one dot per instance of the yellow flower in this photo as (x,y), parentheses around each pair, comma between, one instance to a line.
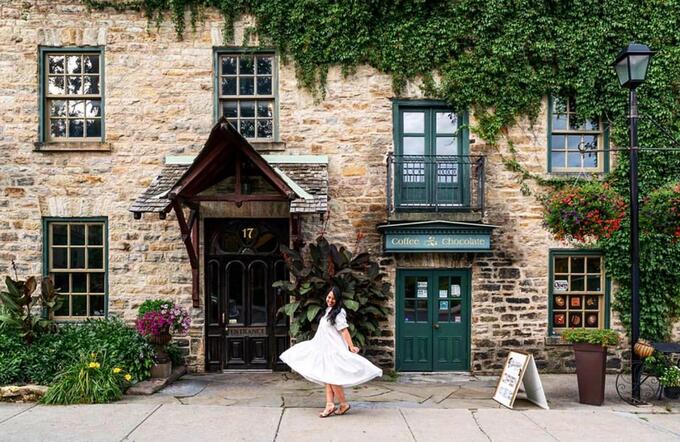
(93,365)
(93,355)
(128,377)
(117,370)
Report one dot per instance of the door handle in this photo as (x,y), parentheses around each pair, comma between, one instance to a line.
(435,326)
(224,318)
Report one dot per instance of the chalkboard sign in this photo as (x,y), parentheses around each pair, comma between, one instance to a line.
(520,368)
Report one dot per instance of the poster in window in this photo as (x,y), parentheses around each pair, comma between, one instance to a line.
(592,302)
(443,293)
(575,319)
(560,285)
(592,320)
(421,291)
(455,290)
(560,301)
(559,319)
(575,301)
(443,305)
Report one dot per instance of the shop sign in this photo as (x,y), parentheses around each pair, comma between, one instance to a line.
(560,285)
(445,242)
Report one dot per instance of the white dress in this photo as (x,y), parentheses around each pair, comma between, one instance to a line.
(325,359)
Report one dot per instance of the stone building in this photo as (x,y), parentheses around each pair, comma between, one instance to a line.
(136,166)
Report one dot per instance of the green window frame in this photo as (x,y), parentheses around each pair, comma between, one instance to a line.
(246,91)
(75,254)
(71,98)
(566,133)
(578,290)
(428,138)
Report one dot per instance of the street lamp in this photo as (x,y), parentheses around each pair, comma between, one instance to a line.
(631,67)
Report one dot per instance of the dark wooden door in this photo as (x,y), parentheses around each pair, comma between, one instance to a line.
(242,263)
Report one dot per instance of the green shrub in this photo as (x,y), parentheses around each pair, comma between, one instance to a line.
(175,354)
(602,337)
(153,305)
(12,353)
(671,377)
(92,379)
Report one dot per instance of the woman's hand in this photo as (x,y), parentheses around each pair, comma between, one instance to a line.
(354,349)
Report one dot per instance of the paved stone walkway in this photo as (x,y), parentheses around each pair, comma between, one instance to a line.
(283,407)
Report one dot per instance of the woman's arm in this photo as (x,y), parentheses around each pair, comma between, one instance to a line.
(348,340)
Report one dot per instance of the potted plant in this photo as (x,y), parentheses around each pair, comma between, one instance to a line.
(671,382)
(590,349)
(158,320)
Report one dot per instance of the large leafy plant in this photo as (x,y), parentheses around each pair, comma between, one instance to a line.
(19,305)
(357,275)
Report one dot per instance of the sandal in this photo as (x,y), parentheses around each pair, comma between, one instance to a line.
(340,411)
(328,411)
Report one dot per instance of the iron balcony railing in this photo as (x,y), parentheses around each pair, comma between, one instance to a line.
(435,183)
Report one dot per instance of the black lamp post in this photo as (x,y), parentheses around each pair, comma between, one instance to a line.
(631,67)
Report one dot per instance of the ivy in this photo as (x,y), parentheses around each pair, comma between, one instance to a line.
(499,59)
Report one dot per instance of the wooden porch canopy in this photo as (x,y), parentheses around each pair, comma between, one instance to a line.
(227,169)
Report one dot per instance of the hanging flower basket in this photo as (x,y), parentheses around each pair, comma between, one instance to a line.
(643,348)
(584,213)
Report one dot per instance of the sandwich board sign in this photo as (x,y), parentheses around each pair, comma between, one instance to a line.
(520,368)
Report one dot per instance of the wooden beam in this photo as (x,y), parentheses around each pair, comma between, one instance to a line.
(186,235)
(234,198)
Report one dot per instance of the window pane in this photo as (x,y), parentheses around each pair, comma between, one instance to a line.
(593,283)
(590,160)
(414,146)
(74,85)
(73,65)
(58,108)
(265,109)
(96,306)
(264,129)
(94,128)
(246,65)
(247,109)
(414,122)
(592,302)
(61,282)
(229,86)
(60,234)
(96,282)
(55,86)
(573,142)
(230,109)
(574,159)
(447,122)
(258,278)
(559,122)
(410,310)
(229,65)
(562,265)
(247,128)
(421,310)
(91,64)
(56,64)
(79,282)
(592,320)
(577,283)
(95,258)
(95,234)
(557,142)
(264,85)
(77,234)
(246,86)
(576,123)
(589,142)
(59,258)
(264,65)
(575,319)
(76,109)
(559,105)
(594,265)
(592,125)
(446,146)
(235,293)
(77,257)
(578,265)
(63,310)
(79,305)
(557,159)
(91,85)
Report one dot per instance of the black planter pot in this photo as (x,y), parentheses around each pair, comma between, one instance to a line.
(671,392)
(591,362)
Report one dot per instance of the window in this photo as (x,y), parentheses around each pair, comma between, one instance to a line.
(72,99)
(76,254)
(575,144)
(246,93)
(578,291)
(430,162)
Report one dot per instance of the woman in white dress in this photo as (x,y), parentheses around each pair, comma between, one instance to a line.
(330,358)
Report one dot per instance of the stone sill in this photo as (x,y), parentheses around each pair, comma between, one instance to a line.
(555,341)
(586,176)
(268,146)
(73,146)
(462,215)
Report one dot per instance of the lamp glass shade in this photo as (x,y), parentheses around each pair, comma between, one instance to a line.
(638,67)
(622,71)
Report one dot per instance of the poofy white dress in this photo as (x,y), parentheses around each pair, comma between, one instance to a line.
(325,359)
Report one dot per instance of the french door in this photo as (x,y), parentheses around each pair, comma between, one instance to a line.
(433,320)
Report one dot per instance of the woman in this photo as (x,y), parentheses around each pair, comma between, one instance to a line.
(330,358)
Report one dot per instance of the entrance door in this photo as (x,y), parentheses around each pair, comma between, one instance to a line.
(242,263)
(433,320)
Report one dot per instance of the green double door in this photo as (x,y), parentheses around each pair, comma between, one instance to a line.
(433,320)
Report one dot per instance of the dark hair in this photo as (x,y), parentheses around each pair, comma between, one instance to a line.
(335,310)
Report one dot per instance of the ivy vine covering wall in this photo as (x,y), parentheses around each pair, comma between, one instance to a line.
(500,58)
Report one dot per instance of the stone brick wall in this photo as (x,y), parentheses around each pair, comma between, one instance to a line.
(159,101)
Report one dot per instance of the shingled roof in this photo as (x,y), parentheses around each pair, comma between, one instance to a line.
(309,172)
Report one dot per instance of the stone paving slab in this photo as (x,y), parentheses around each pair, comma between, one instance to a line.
(182,423)
(584,425)
(443,425)
(9,410)
(303,424)
(111,422)
(671,422)
(183,388)
(511,426)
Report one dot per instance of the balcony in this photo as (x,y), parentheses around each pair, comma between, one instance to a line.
(420,187)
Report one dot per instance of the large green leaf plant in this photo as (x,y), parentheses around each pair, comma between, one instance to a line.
(357,275)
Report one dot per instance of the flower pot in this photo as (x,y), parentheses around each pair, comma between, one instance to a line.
(160,342)
(671,392)
(591,362)
(161,370)
(162,339)
(643,348)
